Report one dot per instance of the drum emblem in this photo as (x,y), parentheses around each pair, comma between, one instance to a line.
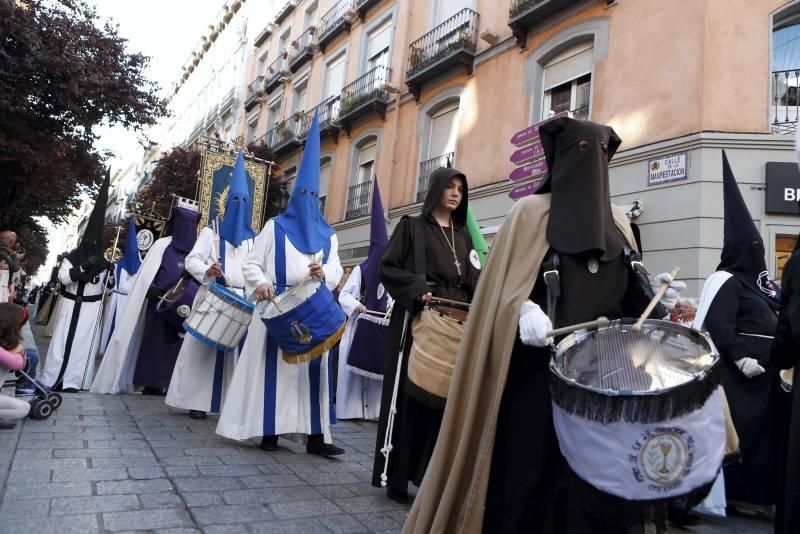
(664,457)
(381,291)
(474,259)
(184,310)
(301,333)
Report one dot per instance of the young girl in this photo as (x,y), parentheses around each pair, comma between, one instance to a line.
(12,358)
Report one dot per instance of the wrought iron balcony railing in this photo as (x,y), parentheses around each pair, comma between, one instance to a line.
(254,91)
(328,111)
(367,93)
(276,72)
(523,14)
(785,105)
(426,168)
(358,200)
(337,20)
(304,48)
(451,43)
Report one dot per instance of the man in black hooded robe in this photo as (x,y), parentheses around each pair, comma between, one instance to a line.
(407,279)
(738,307)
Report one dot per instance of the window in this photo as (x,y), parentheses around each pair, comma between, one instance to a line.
(378,42)
(252,126)
(289,179)
(366,162)
(310,17)
(443,131)
(324,180)
(283,43)
(227,122)
(261,70)
(300,94)
(785,81)
(334,76)
(274,113)
(444,9)
(358,193)
(568,82)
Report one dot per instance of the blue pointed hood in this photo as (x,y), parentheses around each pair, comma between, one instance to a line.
(378,241)
(131,261)
(235,225)
(302,222)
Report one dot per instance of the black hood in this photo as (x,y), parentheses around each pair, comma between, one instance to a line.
(577,154)
(743,249)
(438,181)
(91,245)
(182,227)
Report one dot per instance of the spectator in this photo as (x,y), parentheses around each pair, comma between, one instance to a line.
(12,358)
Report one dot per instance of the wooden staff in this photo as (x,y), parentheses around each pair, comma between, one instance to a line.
(657,297)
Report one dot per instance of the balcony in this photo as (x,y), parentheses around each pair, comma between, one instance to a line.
(264,35)
(425,170)
(448,45)
(304,48)
(284,138)
(522,14)
(337,20)
(785,105)
(358,200)
(363,6)
(277,73)
(365,95)
(285,11)
(328,111)
(254,91)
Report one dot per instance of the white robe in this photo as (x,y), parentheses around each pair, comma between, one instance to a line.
(116,302)
(193,384)
(115,374)
(77,366)
(267,395)
(357,397)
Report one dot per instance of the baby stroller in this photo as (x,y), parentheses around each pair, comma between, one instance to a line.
(44,402)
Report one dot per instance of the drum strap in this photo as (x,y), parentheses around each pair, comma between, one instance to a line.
(553,283)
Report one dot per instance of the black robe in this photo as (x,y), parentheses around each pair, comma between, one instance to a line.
(754,403)
(416,424)
(785,355)
(530,482)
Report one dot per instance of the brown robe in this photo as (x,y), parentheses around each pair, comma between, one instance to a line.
(453,493)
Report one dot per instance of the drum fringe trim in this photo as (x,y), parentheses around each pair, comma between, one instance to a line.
(318,350)
(653,408)
(362,372)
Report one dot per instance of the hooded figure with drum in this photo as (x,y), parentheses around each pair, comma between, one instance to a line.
(430,268)
(208,355)
(608,448)
(283,380)
(124,278)
(366,303)
(144,346)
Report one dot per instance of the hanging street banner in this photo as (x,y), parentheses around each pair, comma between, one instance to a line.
(531,170)
(531,133)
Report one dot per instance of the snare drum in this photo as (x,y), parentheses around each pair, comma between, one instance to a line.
(639,414)
(367,350)
(220,317)
(176,304)
(305,321)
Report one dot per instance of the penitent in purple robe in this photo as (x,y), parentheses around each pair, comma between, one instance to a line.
(161,341)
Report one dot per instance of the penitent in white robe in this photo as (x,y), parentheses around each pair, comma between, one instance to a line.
(267,395)
(116,302)
(357,396)
(115,374)
(203,374)
(76,335)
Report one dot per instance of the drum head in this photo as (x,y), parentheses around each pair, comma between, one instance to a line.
(290,299)
(663,359)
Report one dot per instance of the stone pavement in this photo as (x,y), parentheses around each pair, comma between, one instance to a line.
(128,463)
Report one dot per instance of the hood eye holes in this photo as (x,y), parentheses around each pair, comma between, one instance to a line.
(604,146)
(303,190)
(313,193)
(583,145)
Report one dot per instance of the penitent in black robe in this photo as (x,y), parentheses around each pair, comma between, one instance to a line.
(530,482)
(785,355)
(735,312)
(416,425)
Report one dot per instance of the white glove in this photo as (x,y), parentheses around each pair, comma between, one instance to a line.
(534,325)
(670,298)
(749,367)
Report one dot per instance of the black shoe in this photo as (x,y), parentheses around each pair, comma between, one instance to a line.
(70,390)
(397,495)
(151,391)
(197,414)
(7,425)
(323,449)
(269,443)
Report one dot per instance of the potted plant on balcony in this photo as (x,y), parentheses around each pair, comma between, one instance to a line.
(416,59)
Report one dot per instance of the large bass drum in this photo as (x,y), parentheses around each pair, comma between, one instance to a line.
(639,414)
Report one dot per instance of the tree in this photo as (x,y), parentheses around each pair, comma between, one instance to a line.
(62,74)
(175,173)
(277,189)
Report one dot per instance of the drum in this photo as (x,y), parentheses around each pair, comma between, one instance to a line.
(437,333)
(305,321)
(368,347)
(220,317)
(176,304)
(639,414)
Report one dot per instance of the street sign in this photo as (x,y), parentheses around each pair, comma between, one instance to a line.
(528,153)
(531,133)
(531,170)
(666,169)
(526,189)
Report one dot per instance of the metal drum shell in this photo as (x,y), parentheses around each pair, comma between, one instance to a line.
(219,317)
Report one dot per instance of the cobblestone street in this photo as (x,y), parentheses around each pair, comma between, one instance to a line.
(128,463)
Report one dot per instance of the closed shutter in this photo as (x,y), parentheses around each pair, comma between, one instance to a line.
(568,65)
(334,79)
(378,45)
(443,134)
(447,8)
(324,177)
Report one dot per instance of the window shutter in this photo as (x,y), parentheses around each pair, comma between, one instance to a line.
(568,65)
(443,135)
(324,177)
(334,80)
(379,39)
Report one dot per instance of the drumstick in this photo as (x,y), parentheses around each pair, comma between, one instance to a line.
(600,322)
(448,301)
(656,298)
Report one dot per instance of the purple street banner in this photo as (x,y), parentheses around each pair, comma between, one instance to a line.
(526,189)
(527,153)
(531,170)
(531,133)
